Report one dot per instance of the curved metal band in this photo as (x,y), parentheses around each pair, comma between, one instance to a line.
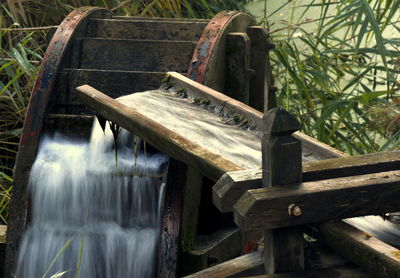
(207,64)
(33,124)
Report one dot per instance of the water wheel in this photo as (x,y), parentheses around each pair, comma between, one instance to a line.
(122,55)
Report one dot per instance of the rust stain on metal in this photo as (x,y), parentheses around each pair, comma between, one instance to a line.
(206,45)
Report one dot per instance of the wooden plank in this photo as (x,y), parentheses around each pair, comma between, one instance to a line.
(351,166)
(69,125)
(319,201)
(138,55)
(377,258)
(161,19)
(146,29)
(113,83)
(251,116)
(336,272)
(167,141)
(230,267)
(237,81)
(233,185)
(209,250)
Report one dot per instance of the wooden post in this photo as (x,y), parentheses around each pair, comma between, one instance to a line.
(237,81)
(262,91)
(281,158)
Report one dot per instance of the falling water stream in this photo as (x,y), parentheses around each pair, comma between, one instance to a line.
(93,215)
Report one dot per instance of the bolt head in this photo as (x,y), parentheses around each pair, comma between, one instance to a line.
(294,210)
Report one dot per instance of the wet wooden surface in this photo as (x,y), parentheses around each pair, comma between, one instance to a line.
(164,139)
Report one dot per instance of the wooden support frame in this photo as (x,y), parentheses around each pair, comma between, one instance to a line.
(281,158)
(254,117)
(319,201)
(232,185)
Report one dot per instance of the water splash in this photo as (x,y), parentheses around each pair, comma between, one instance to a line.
(89,217)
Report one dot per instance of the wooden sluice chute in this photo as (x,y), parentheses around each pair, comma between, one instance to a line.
(217,200)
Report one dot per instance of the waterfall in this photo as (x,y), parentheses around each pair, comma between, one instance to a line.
(94,212)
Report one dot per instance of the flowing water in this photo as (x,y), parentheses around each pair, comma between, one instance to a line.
(90,216)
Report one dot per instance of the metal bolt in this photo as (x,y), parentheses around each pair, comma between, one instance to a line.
(294,210)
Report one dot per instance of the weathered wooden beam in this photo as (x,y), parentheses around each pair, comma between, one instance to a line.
(377,258)
(232,267)
(336,272)
(144,29)
(238,63)
(232,185)
(351,166)
(210,164)
(134,54)
(319,201)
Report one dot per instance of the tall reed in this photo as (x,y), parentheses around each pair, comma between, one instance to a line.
(340,75)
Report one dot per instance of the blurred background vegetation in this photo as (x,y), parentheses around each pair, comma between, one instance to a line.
(336,64)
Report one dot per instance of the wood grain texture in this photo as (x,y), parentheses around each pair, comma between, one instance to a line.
(253,117)
(259,83)
(114,83)
(233,185)
(319,201)
(377,258)
(281,165)
(351,166)
(237,81)
(137,55)
(167,141)
(231,267)
(335,272)
(146,29)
